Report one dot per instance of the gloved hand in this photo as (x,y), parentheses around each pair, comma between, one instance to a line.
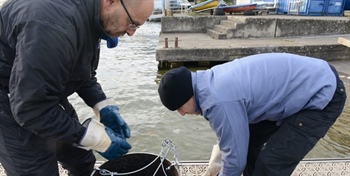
(103,140)
(214,162)
(111,42)
(108,113)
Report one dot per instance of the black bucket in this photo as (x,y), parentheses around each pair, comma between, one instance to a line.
(138,164)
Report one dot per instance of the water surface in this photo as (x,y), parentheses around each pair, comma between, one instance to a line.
(130,74)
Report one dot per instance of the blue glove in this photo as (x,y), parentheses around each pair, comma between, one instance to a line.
(108,113)
(111,118)
(111,42)
(103,140)
(118,148)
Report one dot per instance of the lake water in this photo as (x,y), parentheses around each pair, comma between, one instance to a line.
(129,73)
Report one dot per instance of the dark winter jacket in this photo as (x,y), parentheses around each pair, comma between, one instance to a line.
(49,50)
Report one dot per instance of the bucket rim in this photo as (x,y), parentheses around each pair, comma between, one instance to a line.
(166,161)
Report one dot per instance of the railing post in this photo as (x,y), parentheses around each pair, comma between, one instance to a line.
(176,44)
(166,43)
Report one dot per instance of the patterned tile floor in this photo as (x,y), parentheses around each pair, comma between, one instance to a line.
(319,167)
(315,167)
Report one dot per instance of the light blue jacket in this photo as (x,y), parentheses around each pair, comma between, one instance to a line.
(260,87)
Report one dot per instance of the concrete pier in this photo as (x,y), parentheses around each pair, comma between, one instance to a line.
(216,39)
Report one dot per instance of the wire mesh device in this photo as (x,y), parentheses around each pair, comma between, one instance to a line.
(142,164)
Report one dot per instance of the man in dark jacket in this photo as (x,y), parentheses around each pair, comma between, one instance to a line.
(48,51)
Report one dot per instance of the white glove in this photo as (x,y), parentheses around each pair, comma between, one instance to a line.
(214,162)
(103,140)
(102,104)
(95,136)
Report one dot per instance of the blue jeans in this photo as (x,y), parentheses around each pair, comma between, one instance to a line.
(277,150)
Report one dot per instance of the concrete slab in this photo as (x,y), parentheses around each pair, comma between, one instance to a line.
(202,40)
(200,47)
(343,68)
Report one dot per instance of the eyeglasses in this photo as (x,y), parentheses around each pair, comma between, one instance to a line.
(132,26)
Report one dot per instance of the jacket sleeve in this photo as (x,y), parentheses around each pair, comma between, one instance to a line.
(40,71)
(91,92)
(230,123)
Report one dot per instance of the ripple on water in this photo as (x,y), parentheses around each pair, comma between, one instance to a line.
(130,75)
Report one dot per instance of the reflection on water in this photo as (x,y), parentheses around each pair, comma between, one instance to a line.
(129,73)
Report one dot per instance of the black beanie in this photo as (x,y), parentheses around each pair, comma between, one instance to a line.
(175,88)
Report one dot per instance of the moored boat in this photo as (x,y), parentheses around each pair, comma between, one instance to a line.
(206,5)
(239,8)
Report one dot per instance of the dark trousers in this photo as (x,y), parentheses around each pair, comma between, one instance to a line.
(24,153)
(277,150)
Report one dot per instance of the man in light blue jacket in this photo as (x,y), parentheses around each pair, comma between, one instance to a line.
(267,110)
